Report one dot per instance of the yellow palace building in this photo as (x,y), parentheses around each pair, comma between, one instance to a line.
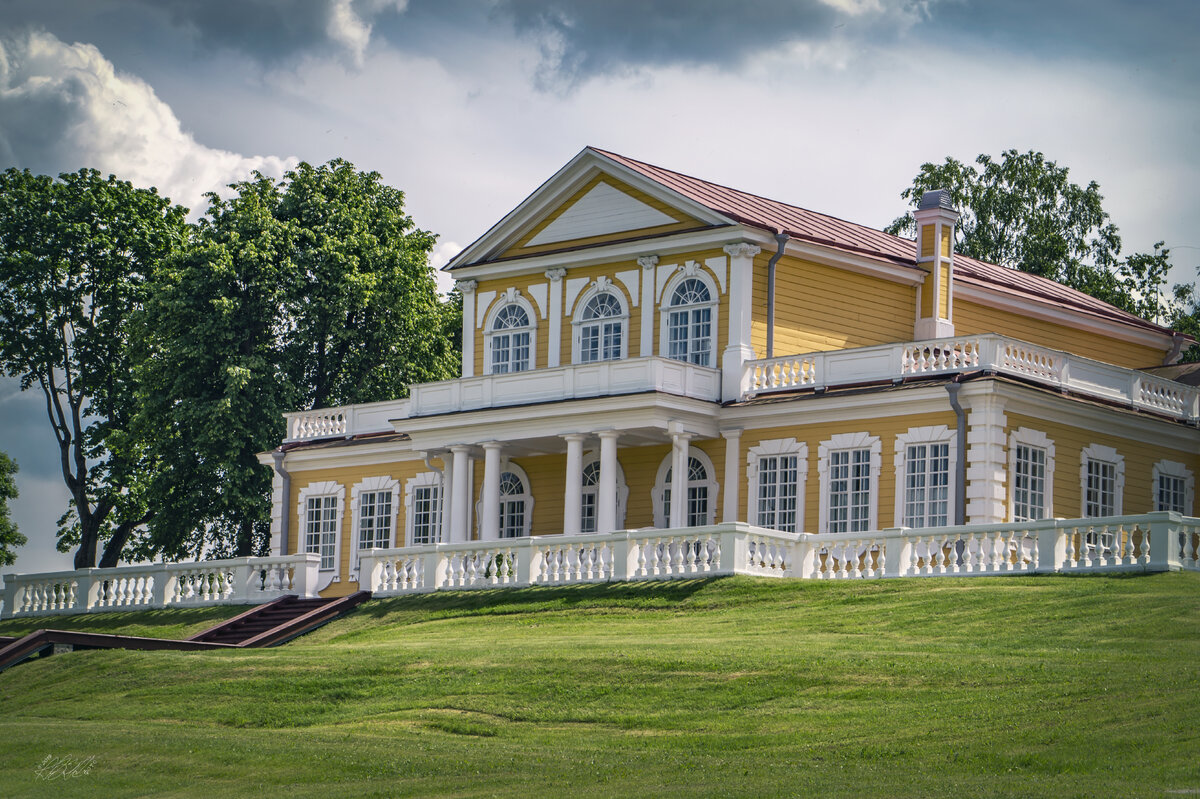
(661,374)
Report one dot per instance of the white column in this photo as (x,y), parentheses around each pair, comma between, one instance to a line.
(606,493)
(489,511)
(447,494)
(733,478)
(679,481)
(573,485)
(738,349)
(987,462)
(647,262)
(554,347)
(467,287)
(460,495)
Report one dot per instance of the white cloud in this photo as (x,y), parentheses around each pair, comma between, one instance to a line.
(64,106)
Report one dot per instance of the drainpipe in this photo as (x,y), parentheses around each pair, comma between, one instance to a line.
(960,479)
(285,515)
(782,238)
(1177,342)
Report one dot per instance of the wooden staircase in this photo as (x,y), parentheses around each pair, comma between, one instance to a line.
(271,624)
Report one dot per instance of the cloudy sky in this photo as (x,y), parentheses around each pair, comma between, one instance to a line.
(468,105)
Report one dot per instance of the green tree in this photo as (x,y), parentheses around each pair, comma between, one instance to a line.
(75,257)
(9,535)
(312,292)
(1022,211)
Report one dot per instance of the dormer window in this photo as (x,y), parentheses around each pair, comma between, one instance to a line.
(600,329)
(511,333)
(689,323)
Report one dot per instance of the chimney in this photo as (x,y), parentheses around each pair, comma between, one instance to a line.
(935,254)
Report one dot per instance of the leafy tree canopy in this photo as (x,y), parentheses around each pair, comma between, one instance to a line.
(76,255)
(9,535)
(1022,211)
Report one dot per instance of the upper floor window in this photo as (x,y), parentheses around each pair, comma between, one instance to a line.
(600,329)
(923,460)
(1173,486)
(776,470)
(690,323)
(1102,481)
(511,335)
(1030,475)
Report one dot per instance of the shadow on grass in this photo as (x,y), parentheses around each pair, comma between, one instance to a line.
(150,623)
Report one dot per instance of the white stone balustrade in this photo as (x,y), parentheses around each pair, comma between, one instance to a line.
(348,420)
(160,585)
(993,353)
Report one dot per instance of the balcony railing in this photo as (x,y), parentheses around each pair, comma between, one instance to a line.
(999,354)
(1149,542)
(348,420)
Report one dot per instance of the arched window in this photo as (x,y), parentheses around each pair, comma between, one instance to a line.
(701,492)
(689,323)
(515,506)
(590,488)
(600,329)
(511,337)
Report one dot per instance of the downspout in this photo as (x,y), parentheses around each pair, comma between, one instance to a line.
(782,238)
(1177,342)
(285,515)
(960,479)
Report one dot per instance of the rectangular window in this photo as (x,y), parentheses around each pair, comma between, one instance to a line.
(849,490)
(512,518)
(1101,489)
(375,520)
(427,518)
(320,530)
(587,509)
(1029,484)
(777,490)
(677,335)
(1169,494)
(927,485)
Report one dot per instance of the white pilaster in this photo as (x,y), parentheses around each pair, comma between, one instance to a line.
(554,346)
(489,510)
(606,493)
(460,495)
(733,460)
(987,463)
(467,288)
(738,349)
(679,481)
(647,262)
(573,485)
(447,491)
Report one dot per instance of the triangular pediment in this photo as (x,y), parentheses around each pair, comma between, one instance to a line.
(590,201)
(604,209)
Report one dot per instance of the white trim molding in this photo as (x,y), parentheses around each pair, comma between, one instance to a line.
(1165,468)
(509,297)
(938,434)
(1037,439)
(766,449)
(371,484)
(843,442)
(660,485)
(1102,454)
(326,488)
(423,480)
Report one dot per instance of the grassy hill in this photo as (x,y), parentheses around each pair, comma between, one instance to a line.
(1041,686)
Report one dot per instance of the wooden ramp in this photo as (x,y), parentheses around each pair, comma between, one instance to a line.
(271,624)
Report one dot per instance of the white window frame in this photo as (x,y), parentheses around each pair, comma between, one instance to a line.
(777,447)
(327,488)
(1165,468)
(937,434)
(622,491)
(578,323)
(367,486)
(1038,440)
(510,297)
(527,496)
(845,442)
(661,521)
(423,480)
(688,271)
(1102,454)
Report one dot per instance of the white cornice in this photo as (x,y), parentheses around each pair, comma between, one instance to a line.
(353,455)
(1060,314)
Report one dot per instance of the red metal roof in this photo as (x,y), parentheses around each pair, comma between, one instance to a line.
(800,223)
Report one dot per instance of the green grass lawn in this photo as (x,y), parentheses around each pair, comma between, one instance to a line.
(1040,686)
